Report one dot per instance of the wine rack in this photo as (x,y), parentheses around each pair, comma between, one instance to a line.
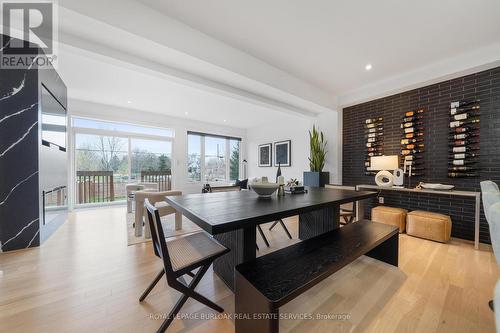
(374,134)
(463,152)
(412,143)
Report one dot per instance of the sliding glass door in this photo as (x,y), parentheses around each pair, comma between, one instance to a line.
(110,155)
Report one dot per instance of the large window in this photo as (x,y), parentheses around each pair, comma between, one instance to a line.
(110,155)
(213,158)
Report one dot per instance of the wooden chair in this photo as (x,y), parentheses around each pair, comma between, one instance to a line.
(180,257)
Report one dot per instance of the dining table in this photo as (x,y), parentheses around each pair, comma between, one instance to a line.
(232,218)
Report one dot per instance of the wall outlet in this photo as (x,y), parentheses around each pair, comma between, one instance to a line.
(380,200)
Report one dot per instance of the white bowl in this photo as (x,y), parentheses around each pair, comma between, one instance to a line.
(264,190)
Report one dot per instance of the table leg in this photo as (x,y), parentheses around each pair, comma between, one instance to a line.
(241,242)
(178,220)
(318,222)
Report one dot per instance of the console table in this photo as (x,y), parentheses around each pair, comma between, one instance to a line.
(476,195)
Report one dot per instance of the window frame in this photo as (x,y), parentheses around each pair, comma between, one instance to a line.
(227,150)
(122,134)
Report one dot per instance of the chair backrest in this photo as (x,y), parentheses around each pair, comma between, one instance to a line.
(494,223)
(158,238)
(490,195)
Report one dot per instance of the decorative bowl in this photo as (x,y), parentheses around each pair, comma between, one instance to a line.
(264,189)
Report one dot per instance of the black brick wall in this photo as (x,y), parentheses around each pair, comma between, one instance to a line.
(435,99)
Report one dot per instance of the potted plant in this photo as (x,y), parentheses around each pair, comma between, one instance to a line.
(316,177)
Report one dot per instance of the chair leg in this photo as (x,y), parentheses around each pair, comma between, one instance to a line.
(284,227)
(262,235)
(272,226)
(188,291)
(152,285)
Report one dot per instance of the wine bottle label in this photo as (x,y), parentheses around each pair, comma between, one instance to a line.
(455,124)
(459,156)
(459,149)
(460,136)
(461,116)
(458,162)
(371,130)
(371,135)
(409,130)
(371,139)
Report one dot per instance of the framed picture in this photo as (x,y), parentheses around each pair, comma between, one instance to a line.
(265,155)
(282,153)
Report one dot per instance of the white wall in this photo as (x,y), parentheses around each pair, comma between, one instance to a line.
(296,129)
(179,125)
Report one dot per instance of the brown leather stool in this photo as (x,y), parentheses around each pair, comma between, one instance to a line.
(390,215)
(428,225)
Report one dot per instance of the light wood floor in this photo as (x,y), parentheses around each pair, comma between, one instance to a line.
(86,279)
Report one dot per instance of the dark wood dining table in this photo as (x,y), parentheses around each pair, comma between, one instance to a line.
(232,217)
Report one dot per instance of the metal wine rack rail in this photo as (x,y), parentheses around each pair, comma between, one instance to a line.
(374,134)
(412,142)
(463,158)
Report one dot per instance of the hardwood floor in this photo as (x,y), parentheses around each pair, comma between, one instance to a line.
(86,279)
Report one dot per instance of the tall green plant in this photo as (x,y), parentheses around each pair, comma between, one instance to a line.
(318,152)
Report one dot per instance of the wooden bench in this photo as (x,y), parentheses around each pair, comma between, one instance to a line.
(265,284)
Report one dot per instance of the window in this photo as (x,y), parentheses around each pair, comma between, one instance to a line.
(194,158)
(109,155)
(213,158)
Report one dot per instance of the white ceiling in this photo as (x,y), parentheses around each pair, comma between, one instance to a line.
(329,42)
(108,81)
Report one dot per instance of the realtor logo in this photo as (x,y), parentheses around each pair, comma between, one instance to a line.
(28,27)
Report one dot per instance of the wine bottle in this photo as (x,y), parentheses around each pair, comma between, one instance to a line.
(411,124)
(415,146)
(371,154)
(374,144)
(464,116)
(462,168)
(411,151)
(462,156)
(461,175)
(413,113)
(412,135)
(462,136)
(373,125)
(374,135)
(462,162)
(455,111)
(376,129)
(458,104)
(412,157)
(465,142)
(463,149)
(371,140)
(409,141)
(372,120)
(413,129)
(374,149)
(460,123)
(414,118)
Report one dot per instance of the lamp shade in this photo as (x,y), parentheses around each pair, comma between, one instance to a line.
(384,162)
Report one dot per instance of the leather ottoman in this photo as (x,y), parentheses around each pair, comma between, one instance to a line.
(433,226)
(390,215)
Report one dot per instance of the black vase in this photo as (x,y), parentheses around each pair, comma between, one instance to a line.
(316,179)
(278,173)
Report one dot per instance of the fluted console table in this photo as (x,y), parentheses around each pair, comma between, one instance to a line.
(476,195)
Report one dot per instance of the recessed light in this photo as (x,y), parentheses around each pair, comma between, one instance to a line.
(129,102)
(224,120)
(368,67)
(186,113)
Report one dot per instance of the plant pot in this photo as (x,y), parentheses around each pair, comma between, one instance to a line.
(316,179)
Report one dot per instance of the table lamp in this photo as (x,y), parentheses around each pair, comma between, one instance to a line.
(382,164)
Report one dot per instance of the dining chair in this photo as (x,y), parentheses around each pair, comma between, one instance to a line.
(491,203)
(181,256)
